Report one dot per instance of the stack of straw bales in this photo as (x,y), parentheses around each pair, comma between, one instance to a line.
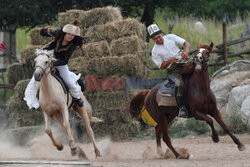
(19,113)
(115,49)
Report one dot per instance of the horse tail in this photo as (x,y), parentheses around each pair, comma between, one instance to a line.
(95,119)
(137,103)
(89,111)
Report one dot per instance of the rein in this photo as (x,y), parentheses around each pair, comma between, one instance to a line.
(44,69)
(203,62)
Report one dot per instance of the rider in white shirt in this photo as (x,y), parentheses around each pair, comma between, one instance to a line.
(166,51)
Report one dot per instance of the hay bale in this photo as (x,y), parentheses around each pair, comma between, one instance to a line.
(37,39)
(112,99)
(19,71)
(80,64)
(101,85)
(130,65)
(96,49)
(92,17)
(117,124)
(126,45)
(19,113)
(28,54)
(115,30)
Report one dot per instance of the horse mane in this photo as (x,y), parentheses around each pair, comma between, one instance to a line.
(43,51)
(137,103)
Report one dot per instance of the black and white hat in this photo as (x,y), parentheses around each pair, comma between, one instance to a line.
(153,30)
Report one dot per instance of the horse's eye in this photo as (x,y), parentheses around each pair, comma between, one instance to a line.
(46,62)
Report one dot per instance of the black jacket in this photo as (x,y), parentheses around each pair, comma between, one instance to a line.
(62,52)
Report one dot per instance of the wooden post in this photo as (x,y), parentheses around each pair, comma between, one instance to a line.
(224,30)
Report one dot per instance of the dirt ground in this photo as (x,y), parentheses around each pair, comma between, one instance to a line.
(204,153)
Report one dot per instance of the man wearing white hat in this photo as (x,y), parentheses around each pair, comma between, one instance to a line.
(166,51)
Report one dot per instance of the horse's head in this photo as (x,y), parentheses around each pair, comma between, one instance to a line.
(42,63)
(201,55)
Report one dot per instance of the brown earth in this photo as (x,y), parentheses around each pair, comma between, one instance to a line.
(204,153)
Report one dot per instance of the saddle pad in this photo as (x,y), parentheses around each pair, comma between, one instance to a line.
(163,100)
(146,117)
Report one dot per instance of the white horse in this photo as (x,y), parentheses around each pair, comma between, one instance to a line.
(53,101)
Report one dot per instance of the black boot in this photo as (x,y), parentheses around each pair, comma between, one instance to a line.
(183,112)
(80,82)
(79,102)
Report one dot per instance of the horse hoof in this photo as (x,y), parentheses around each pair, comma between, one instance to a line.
(60,148)
(183,156)
(81,154)
(97,153)
(160,152)
(74,151)
(215,139)
(242,148)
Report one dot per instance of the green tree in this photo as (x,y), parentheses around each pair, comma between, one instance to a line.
(30,13)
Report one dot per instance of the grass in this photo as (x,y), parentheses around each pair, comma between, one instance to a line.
(22,39)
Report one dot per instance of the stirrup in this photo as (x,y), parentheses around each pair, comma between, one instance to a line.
(79,102)
(183,112)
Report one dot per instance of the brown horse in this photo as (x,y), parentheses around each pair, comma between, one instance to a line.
(200,102)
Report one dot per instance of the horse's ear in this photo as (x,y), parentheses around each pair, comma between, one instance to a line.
(199,46)
(210,47)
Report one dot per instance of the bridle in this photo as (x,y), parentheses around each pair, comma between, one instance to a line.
(203,59)
(43,69)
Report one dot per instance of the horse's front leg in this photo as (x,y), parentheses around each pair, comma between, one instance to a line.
(201,116)
(84,115)
(49,132)
(158,140)
(66,124)
(217,117)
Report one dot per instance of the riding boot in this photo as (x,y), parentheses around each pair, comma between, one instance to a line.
(79,102)
(80,82)
(183,112)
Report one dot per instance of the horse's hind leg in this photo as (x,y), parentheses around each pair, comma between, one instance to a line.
(218,118)
(83,113)
(81,153)
(49,132)
(158,140)
(202,116)
(164,126)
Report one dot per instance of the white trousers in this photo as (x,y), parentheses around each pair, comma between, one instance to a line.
(68,77)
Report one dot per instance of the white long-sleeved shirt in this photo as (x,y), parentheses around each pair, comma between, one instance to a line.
(167,50)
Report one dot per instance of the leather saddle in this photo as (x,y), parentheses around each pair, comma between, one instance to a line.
(55,73)
(166,93)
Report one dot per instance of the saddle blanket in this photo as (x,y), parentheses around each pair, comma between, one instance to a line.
(146,117)
(166,93)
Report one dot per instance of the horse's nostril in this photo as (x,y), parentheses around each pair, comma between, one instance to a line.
(38,76)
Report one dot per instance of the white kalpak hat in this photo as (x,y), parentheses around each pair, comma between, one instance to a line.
(153,30)
(71,29)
